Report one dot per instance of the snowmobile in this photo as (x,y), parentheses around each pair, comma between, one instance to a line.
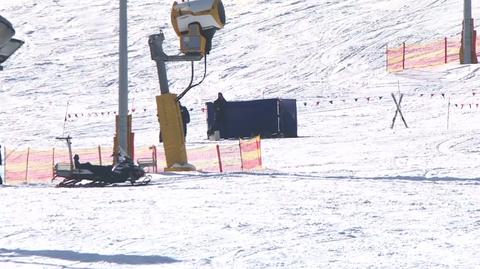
(76,174)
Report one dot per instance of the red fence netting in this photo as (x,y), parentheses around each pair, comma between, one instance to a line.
(424,55)
(36,165)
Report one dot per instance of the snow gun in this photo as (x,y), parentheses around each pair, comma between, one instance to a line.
(8,45)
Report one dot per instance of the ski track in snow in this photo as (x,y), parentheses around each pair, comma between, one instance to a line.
(261,221)
(348,193)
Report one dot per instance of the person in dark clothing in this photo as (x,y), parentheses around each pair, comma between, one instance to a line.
(185,118)
(78,165)
(99,170)
(76,161)
(218,113)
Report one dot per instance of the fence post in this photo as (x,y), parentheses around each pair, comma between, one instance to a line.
(403,57)
(5,161)
(219,159)
(241,155)
(3,180)
(26,168)
(386,53)
(154,158)
(100,154)
(259,151)
(53,163)
(446,54)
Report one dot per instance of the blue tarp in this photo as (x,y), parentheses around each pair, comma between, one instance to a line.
(266,117)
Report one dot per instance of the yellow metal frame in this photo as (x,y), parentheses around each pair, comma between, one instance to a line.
(171,126)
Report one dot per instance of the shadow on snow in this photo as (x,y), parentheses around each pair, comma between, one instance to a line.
(88,257)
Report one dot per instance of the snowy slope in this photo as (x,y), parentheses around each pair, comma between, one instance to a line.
(350,192)
(290,49)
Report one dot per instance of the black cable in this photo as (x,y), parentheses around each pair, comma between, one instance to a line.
(204,72)
(190,86)
(191,78)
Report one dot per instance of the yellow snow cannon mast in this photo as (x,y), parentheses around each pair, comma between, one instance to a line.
(195,22)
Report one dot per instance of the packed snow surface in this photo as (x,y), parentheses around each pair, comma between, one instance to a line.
(348,193)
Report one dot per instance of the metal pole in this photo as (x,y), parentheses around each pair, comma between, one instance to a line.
(156,50)
(467,32)
(123,79)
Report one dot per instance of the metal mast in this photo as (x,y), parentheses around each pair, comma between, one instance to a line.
(467,32)
(123,79)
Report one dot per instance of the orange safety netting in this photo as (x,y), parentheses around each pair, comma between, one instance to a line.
(204,158)
(251,153)
(36,165)
(424,55)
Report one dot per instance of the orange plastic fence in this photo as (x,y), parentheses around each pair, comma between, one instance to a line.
(36,165)
(251,153)
(425,55)
(204,158)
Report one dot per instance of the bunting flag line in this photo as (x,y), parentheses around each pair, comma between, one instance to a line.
(469,106)
(324,100)
(134,111)
(337,100)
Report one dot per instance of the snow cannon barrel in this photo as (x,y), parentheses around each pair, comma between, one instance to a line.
(8,45)
(196,22)
(6,31)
